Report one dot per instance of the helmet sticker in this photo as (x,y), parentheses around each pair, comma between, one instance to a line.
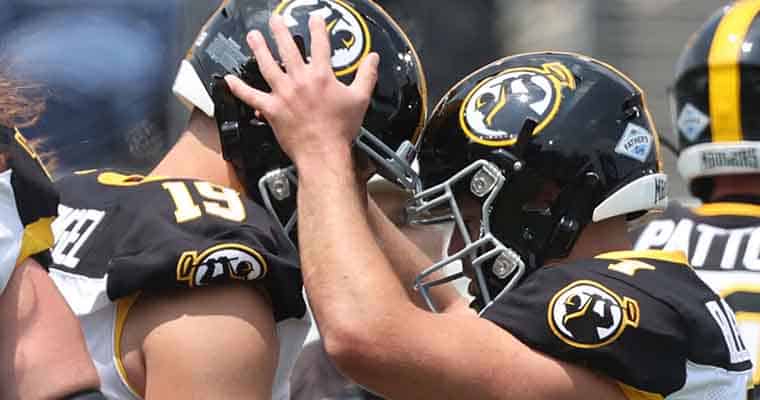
(636,143)
(529,92)
(586,314)
(349,34)
(692,122)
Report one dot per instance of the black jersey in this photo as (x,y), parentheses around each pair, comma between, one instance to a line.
(36,198)
(642,318)
(722,242)
(118,234)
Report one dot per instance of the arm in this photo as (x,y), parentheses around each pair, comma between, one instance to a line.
(402,245)
(40,340)
(374,333)
(211,343)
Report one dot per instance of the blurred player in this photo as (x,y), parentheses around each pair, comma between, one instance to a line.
(42,351)
(129,247)
(714,96)
(557,150)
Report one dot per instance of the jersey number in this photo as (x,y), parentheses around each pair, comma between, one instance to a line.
(216,200)
(723,315)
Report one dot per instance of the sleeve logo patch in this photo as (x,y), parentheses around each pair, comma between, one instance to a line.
(636,142)
(587,315)
(232,261)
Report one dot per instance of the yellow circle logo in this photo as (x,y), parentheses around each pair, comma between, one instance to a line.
(349,35)
(586,314)
(526,92)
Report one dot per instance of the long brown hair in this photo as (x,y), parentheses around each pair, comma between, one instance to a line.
(21,105)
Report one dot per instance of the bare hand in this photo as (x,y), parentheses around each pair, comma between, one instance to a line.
(314,116)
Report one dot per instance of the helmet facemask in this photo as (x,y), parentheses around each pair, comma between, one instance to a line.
(439,204)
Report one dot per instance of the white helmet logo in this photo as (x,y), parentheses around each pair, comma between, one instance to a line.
(349,34)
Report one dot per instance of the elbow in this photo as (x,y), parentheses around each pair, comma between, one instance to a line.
(352,347)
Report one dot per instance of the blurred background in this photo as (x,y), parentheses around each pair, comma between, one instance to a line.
(107,65)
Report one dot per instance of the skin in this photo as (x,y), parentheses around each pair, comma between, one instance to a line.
(392,345)
(34,323)
(727,185)
(234,320)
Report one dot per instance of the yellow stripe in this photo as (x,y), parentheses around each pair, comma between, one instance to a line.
(632,393)
(37,237)
(724,73)
(677,257)
(717,209)
(122,310)
(117,179)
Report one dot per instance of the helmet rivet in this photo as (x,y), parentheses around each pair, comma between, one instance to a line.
(527,235)
(279,185)
(517,166)
(482,183)
(503,266)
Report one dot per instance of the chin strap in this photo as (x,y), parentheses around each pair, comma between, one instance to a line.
(574,219)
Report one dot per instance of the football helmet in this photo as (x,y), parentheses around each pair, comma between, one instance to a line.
(504,133)
(392,124)
(715,96)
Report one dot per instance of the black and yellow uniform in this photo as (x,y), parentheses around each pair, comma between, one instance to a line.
(119,235)
(153,233)
(642,318)
(722,241)
(35,197)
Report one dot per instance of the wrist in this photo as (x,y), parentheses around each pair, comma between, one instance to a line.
(337,163)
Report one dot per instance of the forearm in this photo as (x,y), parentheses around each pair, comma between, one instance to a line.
(404,251)
(347,277)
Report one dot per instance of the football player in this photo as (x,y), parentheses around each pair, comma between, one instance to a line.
(214,216)
(547,155)
(719,142)
(34,318)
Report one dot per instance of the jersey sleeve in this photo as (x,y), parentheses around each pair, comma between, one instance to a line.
(596,320)
(36,198)
(190,260)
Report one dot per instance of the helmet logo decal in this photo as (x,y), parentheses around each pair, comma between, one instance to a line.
(349,34)
(530,92)
(232,261)
(692,122)
(636,143)
(586,314)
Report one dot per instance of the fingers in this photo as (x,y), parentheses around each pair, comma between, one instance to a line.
(320,43)
(366,77)
(289,52)
(255,98)
(269,68)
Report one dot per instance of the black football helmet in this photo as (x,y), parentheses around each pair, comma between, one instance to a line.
(515,125)
(715,98)
(392,124)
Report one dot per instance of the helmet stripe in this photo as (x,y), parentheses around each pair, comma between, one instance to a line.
(724,71)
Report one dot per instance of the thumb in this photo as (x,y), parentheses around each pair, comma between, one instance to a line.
(366,77)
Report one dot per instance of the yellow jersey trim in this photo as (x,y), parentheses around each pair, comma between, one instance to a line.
(724,74)
(677,257)
(717,209)
(117,179)
(38,236)
(122,310)
(632,393)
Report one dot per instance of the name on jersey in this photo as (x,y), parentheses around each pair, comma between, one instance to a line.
(71,230)
(707,246)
